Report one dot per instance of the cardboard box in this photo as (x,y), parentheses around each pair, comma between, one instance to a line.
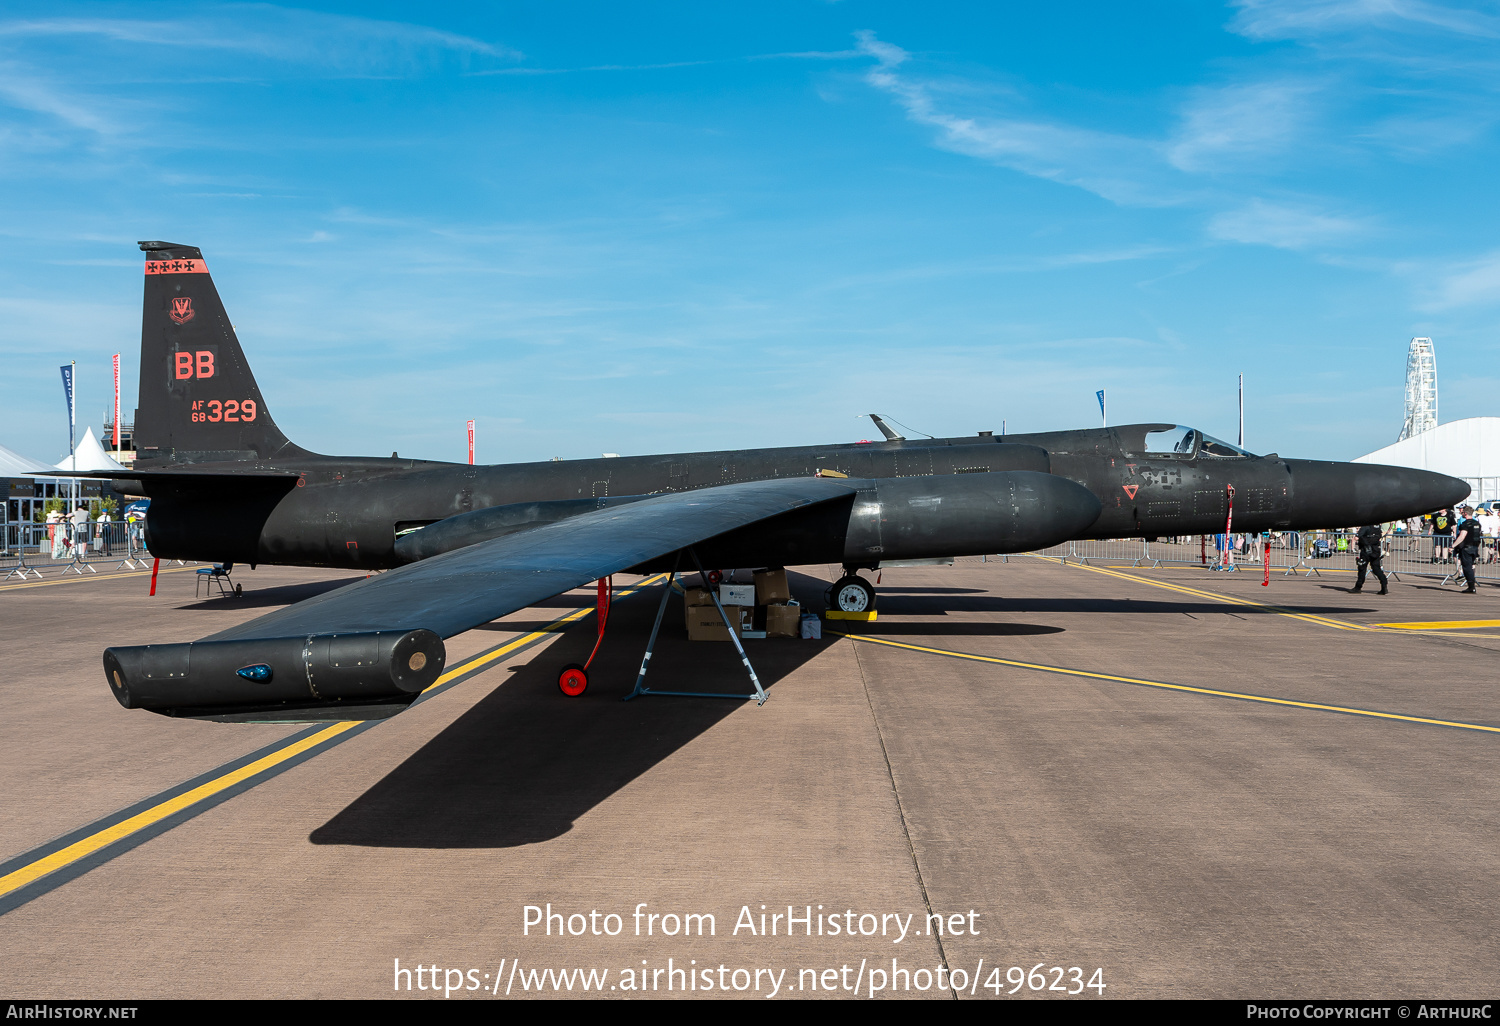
(783,621)
(771,587)
(697,597)
(737,594)
(704,624)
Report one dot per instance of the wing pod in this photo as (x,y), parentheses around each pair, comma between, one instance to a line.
(933,516)
(966,514)
(317,676)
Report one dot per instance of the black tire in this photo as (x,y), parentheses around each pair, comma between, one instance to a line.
(852,594)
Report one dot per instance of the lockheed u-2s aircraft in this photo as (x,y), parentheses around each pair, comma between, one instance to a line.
(466,544)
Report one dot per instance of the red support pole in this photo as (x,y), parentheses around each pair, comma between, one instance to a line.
(154,564)
(1265,545)
(1228,558)
(601,614)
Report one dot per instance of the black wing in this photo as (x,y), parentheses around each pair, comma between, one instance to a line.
(374,644)
(459,590)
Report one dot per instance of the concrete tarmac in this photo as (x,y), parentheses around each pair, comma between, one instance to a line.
(1180,783)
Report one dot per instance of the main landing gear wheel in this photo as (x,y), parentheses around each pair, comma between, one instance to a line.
(852,594)
(573,680)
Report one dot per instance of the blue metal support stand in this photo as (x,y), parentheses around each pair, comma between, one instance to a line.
(759,694)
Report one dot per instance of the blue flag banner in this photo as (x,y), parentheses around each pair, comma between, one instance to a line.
(67,373)
(1100,394)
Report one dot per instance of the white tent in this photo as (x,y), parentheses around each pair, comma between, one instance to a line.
(1468,449)
(90,455)
(13,464)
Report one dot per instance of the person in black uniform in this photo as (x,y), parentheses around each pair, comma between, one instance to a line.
(1466,544)
(1369,557)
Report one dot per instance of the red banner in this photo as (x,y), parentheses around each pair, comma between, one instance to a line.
(117,402)
(471,443)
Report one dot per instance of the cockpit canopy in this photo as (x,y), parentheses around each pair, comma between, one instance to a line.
(1186,441)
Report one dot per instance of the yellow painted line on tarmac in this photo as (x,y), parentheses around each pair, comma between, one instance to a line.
(92,843)
(1293,614)
(1313,618)
(1438,625)
(1162,685)
(1234,600)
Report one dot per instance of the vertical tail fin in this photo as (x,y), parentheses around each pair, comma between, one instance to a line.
(199,402)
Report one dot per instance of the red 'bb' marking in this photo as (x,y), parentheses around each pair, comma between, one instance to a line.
(184,365)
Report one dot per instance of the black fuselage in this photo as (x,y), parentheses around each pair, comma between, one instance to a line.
(349,512)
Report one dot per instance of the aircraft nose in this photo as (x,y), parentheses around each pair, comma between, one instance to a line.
(1351,494)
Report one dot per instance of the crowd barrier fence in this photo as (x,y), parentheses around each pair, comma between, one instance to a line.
(1291,552)
(35,550)
(27,550)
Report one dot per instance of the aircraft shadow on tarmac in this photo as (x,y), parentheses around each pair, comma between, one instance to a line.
(954,629)
(887,590)
(255,598)
(903,605)
(525,762)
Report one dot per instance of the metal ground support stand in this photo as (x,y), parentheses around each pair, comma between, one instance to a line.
(759,695)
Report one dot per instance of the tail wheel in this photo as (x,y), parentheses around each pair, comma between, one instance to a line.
(852,595)
(573,680)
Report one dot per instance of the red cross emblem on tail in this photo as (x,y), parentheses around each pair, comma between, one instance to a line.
(182,310)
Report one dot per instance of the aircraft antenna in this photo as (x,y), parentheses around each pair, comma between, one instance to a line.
(891,436)
(1421,389)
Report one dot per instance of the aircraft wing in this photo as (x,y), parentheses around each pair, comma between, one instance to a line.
(459,590)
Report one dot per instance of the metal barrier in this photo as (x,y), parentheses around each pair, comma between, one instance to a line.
(30,550)
(1291,552)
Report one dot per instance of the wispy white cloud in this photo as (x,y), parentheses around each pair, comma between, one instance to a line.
(1470,283)
(1298,19)
(1287,227)
(1226,128)
(336,43)
(24,89)
(1227,144)
(1117,167)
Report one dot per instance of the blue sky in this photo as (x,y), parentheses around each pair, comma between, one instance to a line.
(648,228)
